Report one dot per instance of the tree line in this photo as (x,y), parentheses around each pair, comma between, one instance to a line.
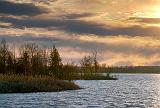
(31,59)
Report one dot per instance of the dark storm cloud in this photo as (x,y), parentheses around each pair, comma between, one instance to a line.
(26,38)
(145,20)
(11,8)
(71,26)
(81,27)
(75,16)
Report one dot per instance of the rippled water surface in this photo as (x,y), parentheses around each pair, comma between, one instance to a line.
(131,90)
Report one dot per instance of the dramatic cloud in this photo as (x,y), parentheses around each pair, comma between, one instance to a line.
(81,27)
(11,8)
(27,39)
(124,33)
(77,16)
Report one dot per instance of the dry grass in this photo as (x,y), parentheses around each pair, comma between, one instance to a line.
(23,84)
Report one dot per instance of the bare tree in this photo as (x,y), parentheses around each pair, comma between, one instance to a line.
(95,62)
(3,55)
(86,64)
(89,63)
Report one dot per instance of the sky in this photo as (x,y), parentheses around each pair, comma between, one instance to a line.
(123,32)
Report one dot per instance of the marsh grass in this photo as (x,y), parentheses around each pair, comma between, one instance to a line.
(23,84)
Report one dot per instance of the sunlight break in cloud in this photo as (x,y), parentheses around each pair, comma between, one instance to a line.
(122,34)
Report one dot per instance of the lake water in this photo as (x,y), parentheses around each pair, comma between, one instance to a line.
(130,91)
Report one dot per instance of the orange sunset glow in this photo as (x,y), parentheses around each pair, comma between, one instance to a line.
(124,33)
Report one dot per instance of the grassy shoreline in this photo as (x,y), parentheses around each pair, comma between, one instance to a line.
(28,84)
(94,77)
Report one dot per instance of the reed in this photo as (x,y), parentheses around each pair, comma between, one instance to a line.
(23,84)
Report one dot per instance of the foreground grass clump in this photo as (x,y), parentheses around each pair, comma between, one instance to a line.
(24,84)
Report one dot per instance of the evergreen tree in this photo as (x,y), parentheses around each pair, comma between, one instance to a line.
(55,63)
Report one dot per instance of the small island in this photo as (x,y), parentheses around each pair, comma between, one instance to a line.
(31,68)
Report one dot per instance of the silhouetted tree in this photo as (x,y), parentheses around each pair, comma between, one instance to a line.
(70,71)
(45,61)
(33,60)
(26,63)
(10,63)
(32,50)
(55,63)
(89,63)
(37,63)
(3,56)
(86,64)
(95,62)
